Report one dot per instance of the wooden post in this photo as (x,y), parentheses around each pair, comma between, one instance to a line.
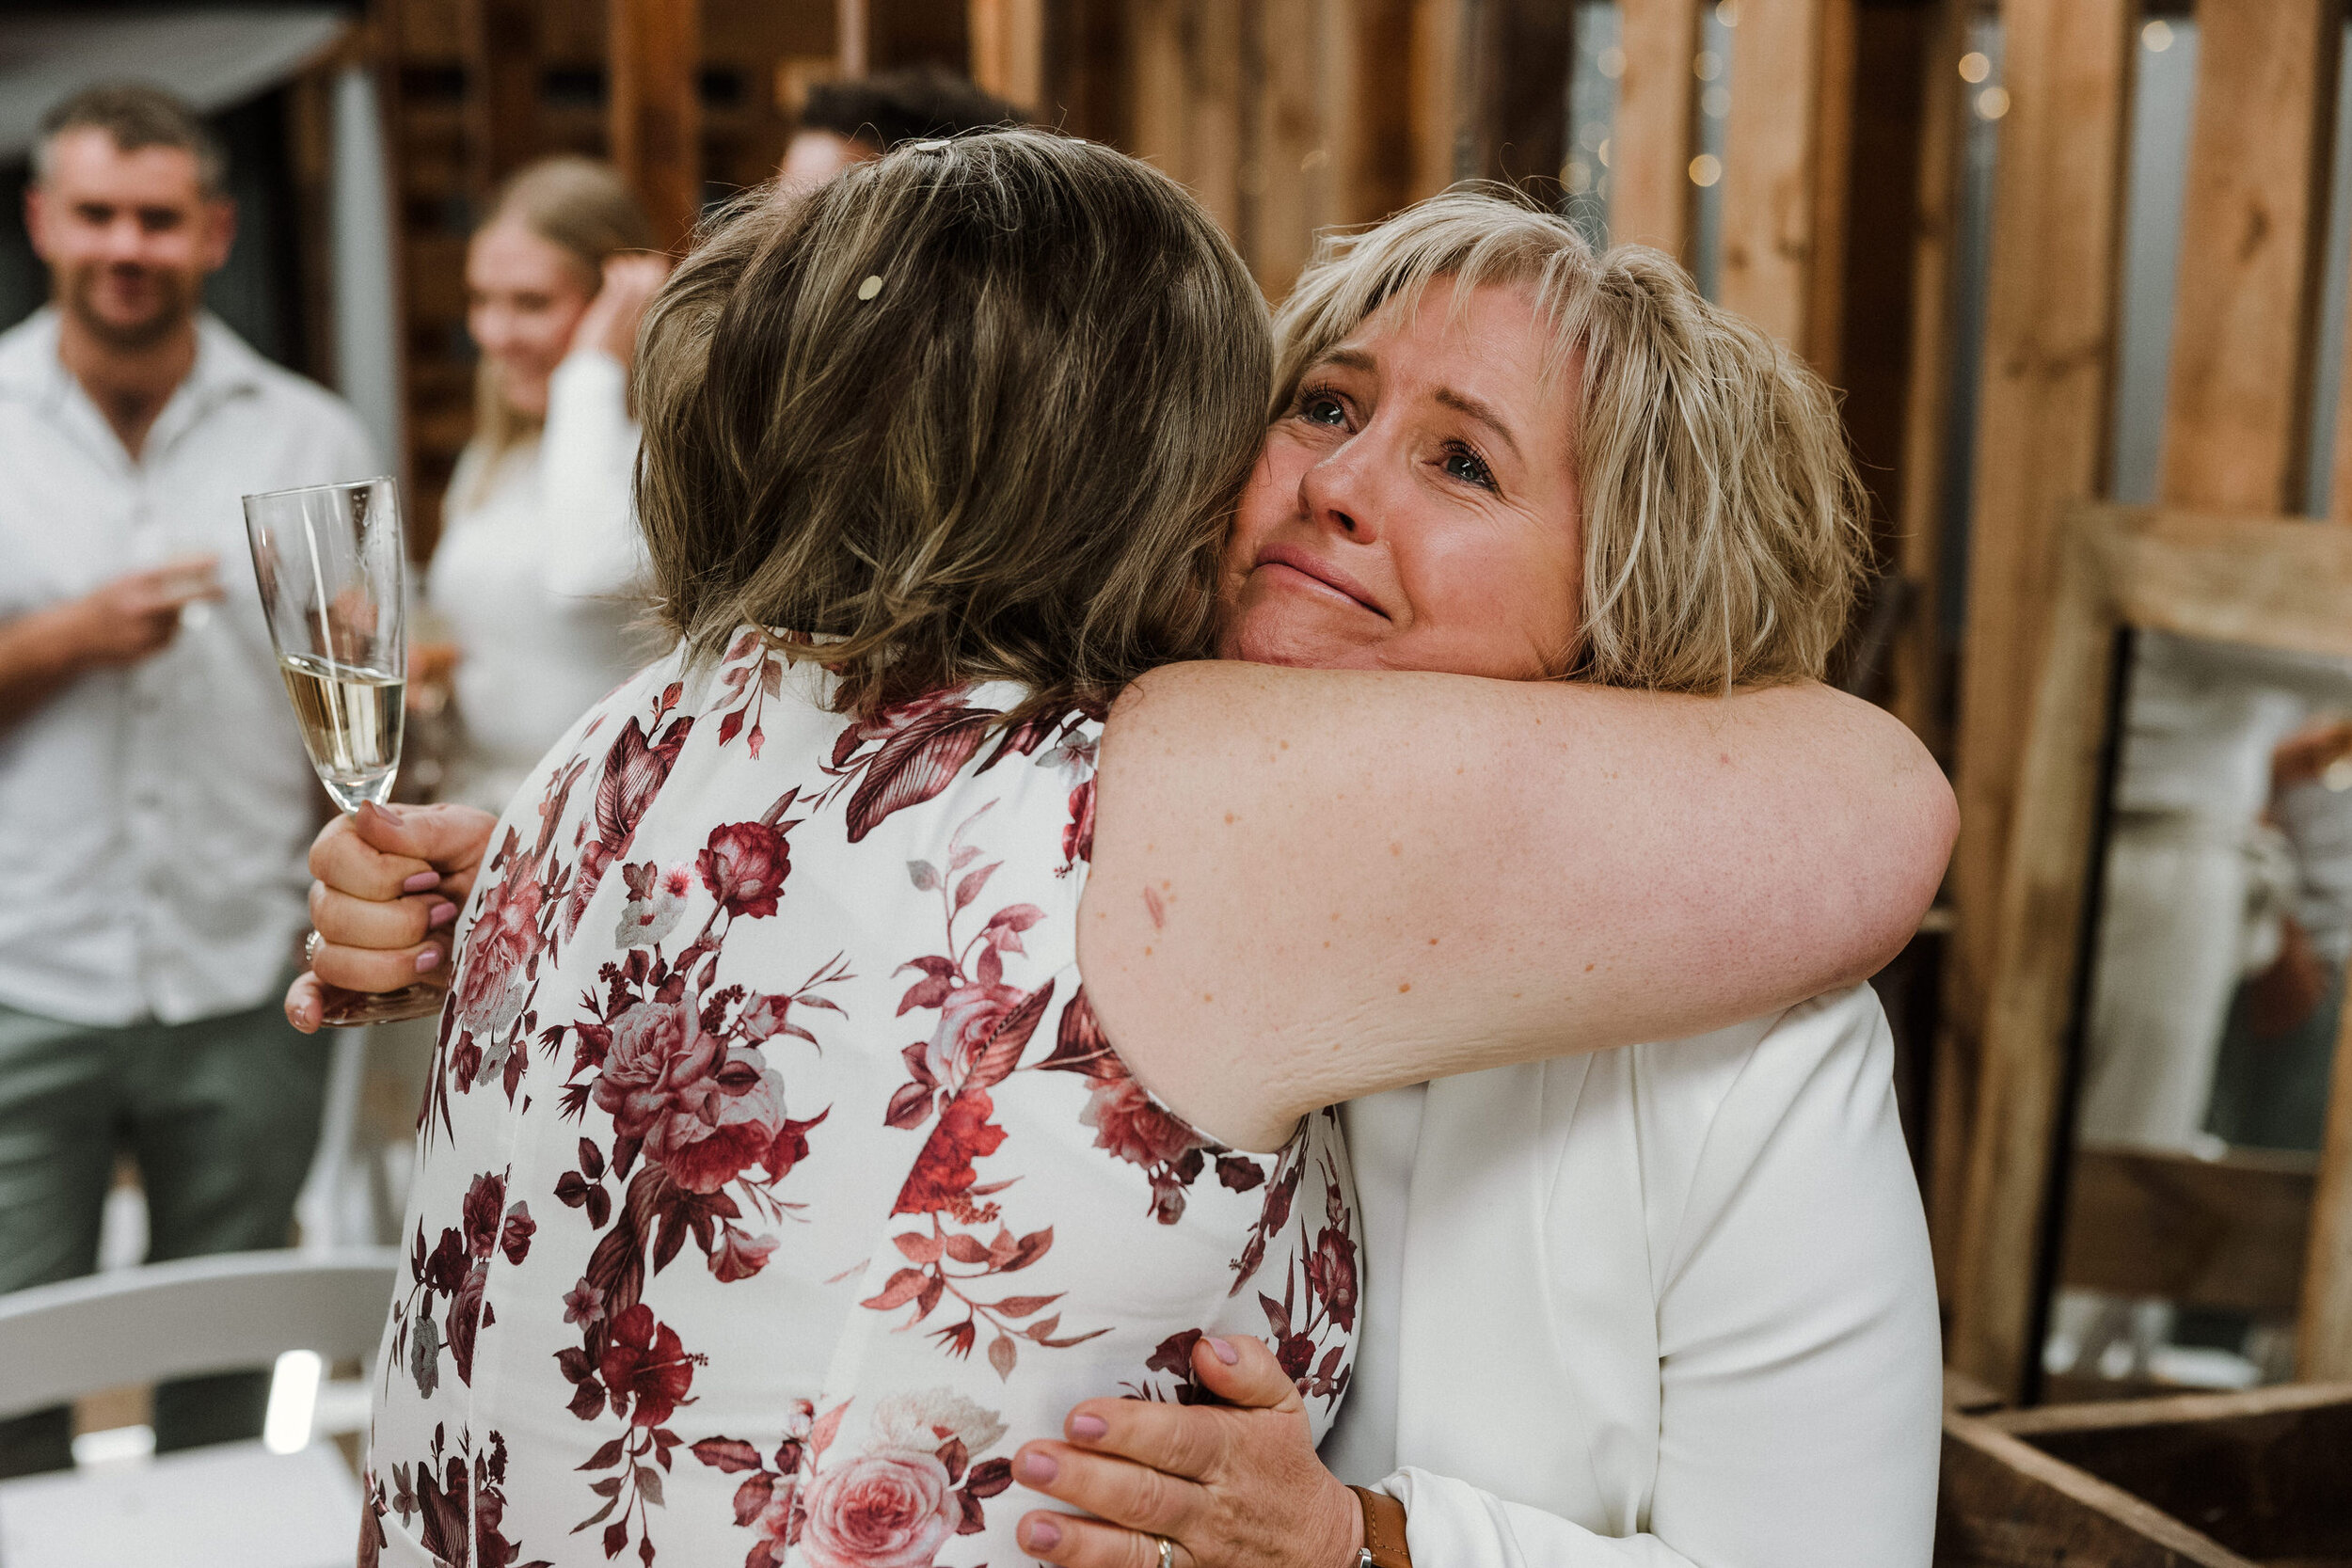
(2042,414)
(654,50)
(1785,175)
(1519,107)
(2023,1071)
(1372,121)
(1651,196)
(1293,161)
(852,36)
(1009,49)
(500,40)
(1436,55)
(2323,1345)
(2243,343)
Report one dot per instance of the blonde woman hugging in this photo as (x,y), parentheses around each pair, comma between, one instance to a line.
(1518,761)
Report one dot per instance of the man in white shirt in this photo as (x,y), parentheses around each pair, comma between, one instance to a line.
(154,800)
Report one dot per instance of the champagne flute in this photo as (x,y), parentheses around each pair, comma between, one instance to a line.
(331,566)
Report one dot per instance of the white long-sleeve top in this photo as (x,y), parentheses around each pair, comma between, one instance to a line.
(539,573)
(1670,1304)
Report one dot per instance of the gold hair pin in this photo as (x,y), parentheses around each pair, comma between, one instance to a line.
(871,287)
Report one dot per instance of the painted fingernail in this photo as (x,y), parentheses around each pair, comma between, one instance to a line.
(441,914)
(420,881)
(1088,1428)
(1042,1536)
(1225,1353)
(1039,1468)
(429,960)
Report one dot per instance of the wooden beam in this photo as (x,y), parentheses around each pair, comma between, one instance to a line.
(655,50)
(1435,56)
(1519,111)
(853,35)
(1784,177)
(1007,42)
(2042,415)
(1293,160)
(2322,1344)
(2223,1234)
(500,40)
(2003,1503)
(1651,198)
(2244,332)
(1997,1278)
(1918,699)
(1216,114)
(1373,120)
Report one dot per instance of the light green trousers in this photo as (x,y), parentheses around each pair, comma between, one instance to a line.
(222,1115)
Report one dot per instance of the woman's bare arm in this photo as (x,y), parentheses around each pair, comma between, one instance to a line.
(1312,884)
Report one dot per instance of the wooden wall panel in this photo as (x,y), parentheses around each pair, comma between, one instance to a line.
(656,125)
(1009,49)
(1436,56)
(1293,166)
(1784,189)
(1651,198)
(502,44)
(1519,111)
(2243,343)
(2042,419)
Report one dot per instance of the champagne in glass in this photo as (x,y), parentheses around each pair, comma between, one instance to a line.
(332,569)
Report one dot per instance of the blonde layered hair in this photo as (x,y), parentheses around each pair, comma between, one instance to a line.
(1723,532)
(975,410)
(587,211)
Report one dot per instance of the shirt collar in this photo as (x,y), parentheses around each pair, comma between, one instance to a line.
(29,367)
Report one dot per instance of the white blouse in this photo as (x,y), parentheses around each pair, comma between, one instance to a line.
(1671,1305)
(540,573)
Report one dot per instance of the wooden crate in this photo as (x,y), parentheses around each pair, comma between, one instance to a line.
(2261,1480)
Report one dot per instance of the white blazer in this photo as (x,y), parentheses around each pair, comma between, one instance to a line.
(1666,1304)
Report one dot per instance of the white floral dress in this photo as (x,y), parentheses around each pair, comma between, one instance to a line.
(775,1181)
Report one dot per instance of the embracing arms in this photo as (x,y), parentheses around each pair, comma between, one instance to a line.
(1310,885)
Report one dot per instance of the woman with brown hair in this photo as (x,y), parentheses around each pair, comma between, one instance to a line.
(939,462)
(538,558)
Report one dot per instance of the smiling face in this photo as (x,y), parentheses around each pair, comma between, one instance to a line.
(1416,506)
(128,237)
(524,297)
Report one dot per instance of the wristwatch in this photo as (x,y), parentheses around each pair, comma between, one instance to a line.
(1384,1532)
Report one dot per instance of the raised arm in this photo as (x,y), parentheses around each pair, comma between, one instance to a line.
(1310,885)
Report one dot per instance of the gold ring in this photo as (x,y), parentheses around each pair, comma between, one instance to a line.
(1168,1551)
(311,945)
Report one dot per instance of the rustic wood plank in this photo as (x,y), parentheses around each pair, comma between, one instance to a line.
(2042,422)
(1650,147)
(1785,173)
(2222,1233)
(1996,1286)
(1217,113)
(852,36)
(1294,176)
(1372,121)
(656,125)
(500,38)
(1007,43)
(2261,1472)
(2323,1346)
(2244,331)
(1519,112)
(1155,73)
(2003,1503)
(2268,582)
(1436,56)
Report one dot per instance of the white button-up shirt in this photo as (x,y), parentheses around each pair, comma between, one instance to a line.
(154,819)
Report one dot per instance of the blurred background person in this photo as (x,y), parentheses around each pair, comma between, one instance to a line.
(847,122)
(537,575)
(154,798)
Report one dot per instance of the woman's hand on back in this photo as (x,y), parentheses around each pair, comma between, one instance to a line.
(389,883)
(631,282)
(1231,1485)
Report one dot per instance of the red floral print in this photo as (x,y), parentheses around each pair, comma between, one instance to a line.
(805,1064)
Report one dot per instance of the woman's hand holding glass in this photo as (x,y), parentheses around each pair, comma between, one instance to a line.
(391,880)
(1226,1485)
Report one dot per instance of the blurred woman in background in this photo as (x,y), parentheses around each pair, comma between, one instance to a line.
(537,573)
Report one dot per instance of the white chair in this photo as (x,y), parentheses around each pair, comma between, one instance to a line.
(235,1504)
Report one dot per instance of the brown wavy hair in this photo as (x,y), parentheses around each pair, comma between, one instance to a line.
(975,410)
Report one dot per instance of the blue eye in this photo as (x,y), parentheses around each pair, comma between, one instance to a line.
(1463,463)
